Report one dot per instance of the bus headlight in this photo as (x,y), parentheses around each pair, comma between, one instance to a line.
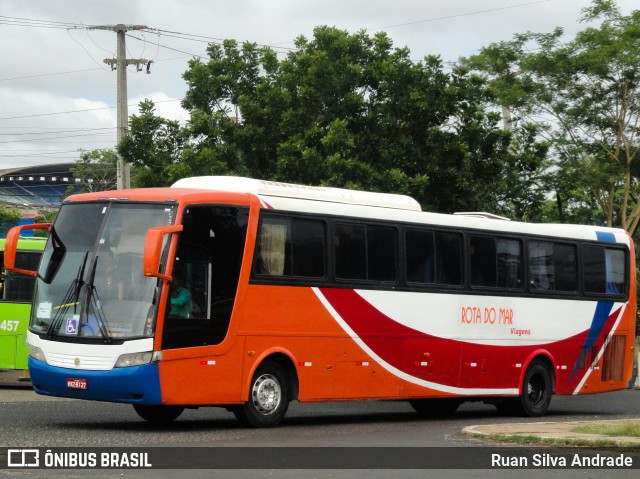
(133,359)
(36,353)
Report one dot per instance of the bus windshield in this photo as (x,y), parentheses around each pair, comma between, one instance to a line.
(91,282)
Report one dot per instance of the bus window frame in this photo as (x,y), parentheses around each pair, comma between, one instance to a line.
(620,297)
(262,278)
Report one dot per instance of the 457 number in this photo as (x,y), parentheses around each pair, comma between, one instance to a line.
(9,326)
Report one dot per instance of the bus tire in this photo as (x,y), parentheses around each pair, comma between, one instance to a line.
(268,397)
(537,389)
(158,414)
(435,407)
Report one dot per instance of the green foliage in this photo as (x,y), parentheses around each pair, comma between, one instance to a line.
(346,110)
(9,217)
(584,97)
(95,171)
(153,147)
(45,216)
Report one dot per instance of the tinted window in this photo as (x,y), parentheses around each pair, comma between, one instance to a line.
(16,286)
(291,247)
(449,259)
(420,250)
(365,252)
(509,263)
(350,251)
(482,260)
(604,270)
(495,262)
(552,266)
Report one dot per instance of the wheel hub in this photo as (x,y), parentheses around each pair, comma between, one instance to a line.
(266,394)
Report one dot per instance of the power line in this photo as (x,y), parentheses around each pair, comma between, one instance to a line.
(80,111)
(448,17)
(54,132)
(205,39)
(168,48)
(49,74)
(86,51)
(32,22)
(55,137)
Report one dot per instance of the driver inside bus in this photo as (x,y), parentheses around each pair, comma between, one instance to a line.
(180,301)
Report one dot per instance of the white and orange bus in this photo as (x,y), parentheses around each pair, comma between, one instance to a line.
(248,294)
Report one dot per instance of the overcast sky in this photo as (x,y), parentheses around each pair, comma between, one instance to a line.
(58,98)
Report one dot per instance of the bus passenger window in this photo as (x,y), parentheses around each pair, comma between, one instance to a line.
(420,250)
(291,247)
(553,266)
(604,270)
(566,267)
(365,252)
(482,254)
(381,253)
(449,259)
(274,240)
(540,265)
(350,251)
(509,263)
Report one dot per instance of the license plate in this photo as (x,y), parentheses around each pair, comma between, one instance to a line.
(76,383)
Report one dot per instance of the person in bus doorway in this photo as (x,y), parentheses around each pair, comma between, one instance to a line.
(180,301)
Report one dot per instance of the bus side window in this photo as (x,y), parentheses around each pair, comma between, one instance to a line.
(365,252)
(449,259)
(553,266)
(420,250)
(16,286)
(290,247)
(604,270)
(540,265)
(482,254)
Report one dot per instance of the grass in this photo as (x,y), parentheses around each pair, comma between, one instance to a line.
(611,430)
(563,442)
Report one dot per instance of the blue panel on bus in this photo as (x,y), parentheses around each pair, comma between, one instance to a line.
(605,237)
(134,385)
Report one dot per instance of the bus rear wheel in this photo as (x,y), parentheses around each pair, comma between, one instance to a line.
(268,397)
(158,414)
(537,389)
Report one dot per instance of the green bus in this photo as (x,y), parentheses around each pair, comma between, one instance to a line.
(16,293)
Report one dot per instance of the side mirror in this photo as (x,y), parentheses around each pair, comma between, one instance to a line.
(153,250)
(11,246)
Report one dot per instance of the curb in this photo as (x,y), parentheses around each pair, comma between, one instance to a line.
(555,432)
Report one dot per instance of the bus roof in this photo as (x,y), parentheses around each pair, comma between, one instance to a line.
(265,189)
(348,203)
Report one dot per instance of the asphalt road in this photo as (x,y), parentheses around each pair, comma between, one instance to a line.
(28,420)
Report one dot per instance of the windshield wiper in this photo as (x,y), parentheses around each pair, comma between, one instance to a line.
(71,298)
(93,302)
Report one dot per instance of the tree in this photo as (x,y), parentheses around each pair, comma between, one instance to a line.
(95,171)
(9,218)
(344,110)
(584,95)
(153,147)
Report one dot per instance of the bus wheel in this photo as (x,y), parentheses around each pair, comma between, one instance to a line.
(268,397)
(158,414)
(435,407)
(537,389)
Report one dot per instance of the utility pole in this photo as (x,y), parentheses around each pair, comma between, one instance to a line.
(120,65)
